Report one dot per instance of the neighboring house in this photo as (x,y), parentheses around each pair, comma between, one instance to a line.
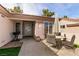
(28,25)
(70,27)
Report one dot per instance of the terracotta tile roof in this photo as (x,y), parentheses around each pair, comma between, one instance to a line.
(71,19)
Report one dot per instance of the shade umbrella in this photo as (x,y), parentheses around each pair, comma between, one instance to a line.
(56,26)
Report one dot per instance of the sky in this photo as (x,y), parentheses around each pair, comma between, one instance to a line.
(61,9)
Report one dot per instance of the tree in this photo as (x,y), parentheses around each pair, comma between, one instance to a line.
(65,16)
(16,9)
(48,13)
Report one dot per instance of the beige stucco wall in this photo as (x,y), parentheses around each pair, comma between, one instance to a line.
(6,29)
(69,31)
(39,29)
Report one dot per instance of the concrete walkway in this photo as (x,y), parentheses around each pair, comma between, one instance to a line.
(32,48)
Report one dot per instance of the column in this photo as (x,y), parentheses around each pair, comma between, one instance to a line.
(39,29)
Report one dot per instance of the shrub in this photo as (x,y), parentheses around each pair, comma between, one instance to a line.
(76,45)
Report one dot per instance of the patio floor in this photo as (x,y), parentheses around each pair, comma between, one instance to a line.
(63,51)
(32,48)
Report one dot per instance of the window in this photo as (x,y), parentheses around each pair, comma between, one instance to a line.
(45,28)
(17,27)
(48,27)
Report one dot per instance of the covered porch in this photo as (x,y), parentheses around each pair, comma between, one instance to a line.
(31,26)
(25,28)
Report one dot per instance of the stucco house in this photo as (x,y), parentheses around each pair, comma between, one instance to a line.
(28,25)
(33,26)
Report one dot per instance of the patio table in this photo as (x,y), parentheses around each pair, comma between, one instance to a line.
(60,37)
(59,41)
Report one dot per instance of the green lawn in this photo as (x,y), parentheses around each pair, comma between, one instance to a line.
(76,45)
(14,51)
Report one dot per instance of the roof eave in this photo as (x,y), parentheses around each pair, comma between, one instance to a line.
(5,12)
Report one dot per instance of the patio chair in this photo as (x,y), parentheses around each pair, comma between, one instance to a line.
(51,39)
(57,33)
(58,43)
(64,39)
(70,44)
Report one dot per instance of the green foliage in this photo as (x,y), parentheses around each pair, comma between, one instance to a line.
(76,45)
(16,9)
(65,16)
(48,13)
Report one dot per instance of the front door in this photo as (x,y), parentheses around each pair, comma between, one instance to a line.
(28,29)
